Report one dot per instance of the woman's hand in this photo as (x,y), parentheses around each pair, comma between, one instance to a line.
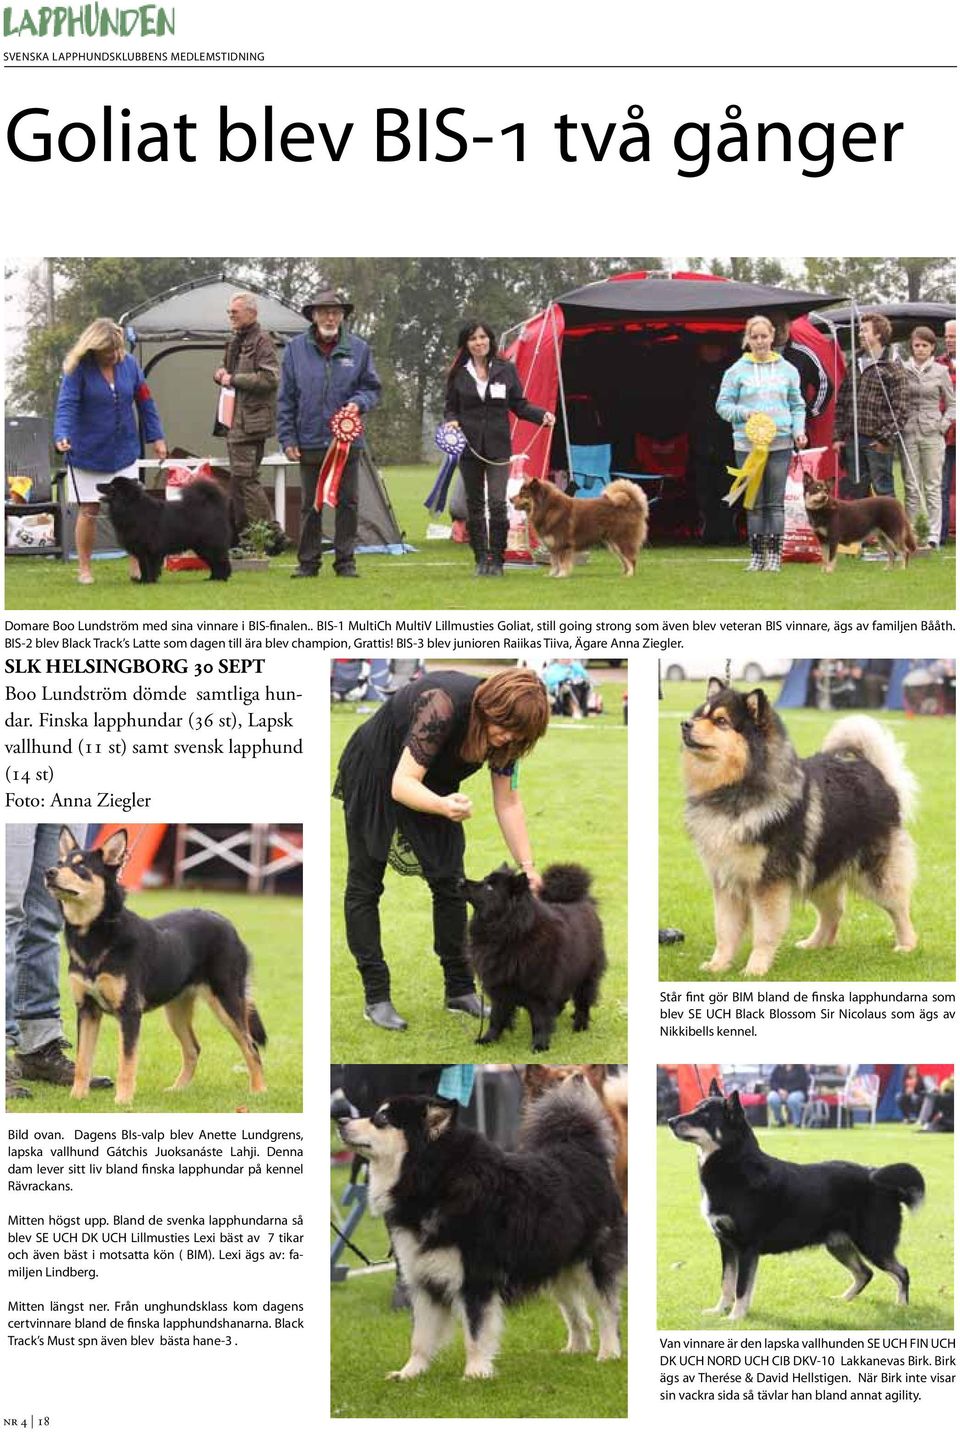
(534,878)
(451,423)
(548,420)
(63,445)
(801,440)
(160,450)
(457,807)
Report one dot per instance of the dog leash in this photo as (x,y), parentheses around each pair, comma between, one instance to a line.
(370,1262)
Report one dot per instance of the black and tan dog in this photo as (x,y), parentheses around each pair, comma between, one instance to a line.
(123,965)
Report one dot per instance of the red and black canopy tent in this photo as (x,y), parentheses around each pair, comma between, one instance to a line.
(617,361)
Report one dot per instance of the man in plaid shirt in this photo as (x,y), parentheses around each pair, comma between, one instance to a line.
(881,412)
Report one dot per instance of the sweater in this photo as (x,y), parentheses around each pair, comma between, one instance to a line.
(771,387)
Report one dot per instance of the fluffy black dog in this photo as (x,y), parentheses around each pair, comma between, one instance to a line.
(536,952)
(150,528)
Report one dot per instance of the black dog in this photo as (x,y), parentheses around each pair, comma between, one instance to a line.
(150,528)
(756,1204)
(124,965)
(536,952)
(475,1229)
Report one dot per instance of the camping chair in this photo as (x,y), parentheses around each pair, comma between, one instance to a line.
(861,1091)
(590,471)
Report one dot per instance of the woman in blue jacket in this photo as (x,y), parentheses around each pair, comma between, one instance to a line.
(764,382)
(101,396)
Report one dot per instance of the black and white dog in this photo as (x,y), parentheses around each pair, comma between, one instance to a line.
(756,1204)
(475,1229)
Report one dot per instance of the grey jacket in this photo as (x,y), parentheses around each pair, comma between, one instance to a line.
(932,400)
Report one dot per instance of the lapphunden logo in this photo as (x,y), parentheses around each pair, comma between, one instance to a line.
(91,21)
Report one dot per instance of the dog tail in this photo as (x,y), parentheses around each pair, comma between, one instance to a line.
(255,1025)
(902,1179)
(909,536)
(203,492)
(565,884)
(569,1113)
(870,740)
(623,493)
(615,1095)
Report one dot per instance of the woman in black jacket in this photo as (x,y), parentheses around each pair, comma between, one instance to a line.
(482,391)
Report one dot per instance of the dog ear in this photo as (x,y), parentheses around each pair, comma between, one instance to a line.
(535,1079)
(519,883)
(714,687)
(758,706)
(68,842)
(715,1091)
(441,1116)
(114,850)
(732,1102)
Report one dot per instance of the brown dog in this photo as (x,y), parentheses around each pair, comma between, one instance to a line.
(567,525)
(612,1093)
(837,523)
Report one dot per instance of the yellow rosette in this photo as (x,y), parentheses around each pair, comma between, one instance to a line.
(761,430)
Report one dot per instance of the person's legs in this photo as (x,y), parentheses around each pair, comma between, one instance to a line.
(947,483)
(361,908)
(775,1107)
(32,939)
(910,458)
(768,508)
(86,531)
(474,487)
(856,483)
(310,550)
(345,521)
(450,934)
(499,519)
(931,476)
(879,470)
(795,1102)
(248,501)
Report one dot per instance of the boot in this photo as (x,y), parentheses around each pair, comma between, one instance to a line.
(478,542)
(498,545)
(756,555)
(774,553)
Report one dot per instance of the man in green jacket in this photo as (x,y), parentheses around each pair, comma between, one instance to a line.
(251,367)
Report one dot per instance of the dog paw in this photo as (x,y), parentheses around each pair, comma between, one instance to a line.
(608,1354)
(474,1372)
(757,968)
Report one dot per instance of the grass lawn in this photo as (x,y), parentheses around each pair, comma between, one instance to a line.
(574,789)
(439,577)
(271,927)
(368,1340)
(802,1290)
(864,950)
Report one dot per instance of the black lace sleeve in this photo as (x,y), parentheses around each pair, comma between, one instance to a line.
(430,725)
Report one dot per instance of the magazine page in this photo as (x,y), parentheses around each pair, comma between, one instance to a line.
(539,538)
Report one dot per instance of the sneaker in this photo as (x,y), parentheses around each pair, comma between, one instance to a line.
(49,1065)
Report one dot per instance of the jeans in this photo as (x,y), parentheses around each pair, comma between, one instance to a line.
(947,485)
(345,519)
(33,939)
(361,908)
(876,470)
(766,516)
(795,1101)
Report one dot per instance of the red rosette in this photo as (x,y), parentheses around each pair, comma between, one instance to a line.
(346,425)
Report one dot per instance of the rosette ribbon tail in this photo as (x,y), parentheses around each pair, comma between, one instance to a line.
(346,428)
(747,479)
(437,497)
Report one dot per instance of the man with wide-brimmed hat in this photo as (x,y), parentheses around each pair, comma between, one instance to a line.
(325,370)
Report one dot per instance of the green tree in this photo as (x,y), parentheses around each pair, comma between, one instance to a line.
(884,280)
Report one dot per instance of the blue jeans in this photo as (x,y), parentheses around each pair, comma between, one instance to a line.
(876,471)
(946,488)
(33,939)
(766,516)
(795,1102)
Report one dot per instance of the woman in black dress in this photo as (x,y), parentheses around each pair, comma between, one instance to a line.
(483,389)
(399,780)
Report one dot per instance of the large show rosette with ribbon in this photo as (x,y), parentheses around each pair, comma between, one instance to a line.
(450,439)
(761,430)
(346,427)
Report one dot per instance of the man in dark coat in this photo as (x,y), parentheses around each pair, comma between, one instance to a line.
(325,369)
(252,369)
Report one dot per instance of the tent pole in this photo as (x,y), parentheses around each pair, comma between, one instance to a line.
(560,388)
(854,373)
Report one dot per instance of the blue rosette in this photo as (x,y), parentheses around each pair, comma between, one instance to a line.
(451,442)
